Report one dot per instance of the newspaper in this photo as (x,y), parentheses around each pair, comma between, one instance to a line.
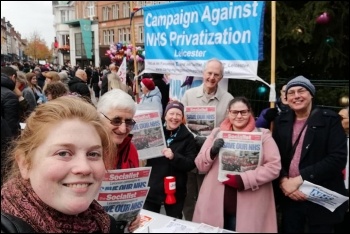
(123,192)
(322,196)
(201,120)
(125,179)
(148,134)
(241,152)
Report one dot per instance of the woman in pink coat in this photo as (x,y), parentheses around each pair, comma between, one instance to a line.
(244,202)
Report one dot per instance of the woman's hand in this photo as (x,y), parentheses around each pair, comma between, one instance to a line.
(135,224)
(168,153)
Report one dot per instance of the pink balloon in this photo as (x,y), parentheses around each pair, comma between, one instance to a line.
(323,18)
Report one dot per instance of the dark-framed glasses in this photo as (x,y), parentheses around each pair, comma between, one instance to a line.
(117,121)
(234,113)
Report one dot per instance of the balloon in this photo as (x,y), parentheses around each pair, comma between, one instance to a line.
(143,53)
(324,18)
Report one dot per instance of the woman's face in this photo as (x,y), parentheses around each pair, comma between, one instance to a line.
(34,80)
(67,168)
(173,118)
(118,133)
(239,115)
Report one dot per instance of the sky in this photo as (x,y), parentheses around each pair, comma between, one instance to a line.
(31,16)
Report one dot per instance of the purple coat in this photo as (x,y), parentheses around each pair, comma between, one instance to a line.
(256,211)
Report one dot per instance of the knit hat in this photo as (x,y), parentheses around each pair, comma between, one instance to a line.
(301,81)
(148,83)
(174,104)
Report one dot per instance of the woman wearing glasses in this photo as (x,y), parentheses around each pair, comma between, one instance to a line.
(245,201)
(117,109)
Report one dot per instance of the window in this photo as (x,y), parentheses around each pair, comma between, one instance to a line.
(90,9)
(108,37)
(124,35)
(105,13)
(120,35)
(65,41)
(79,44)
(129,35)
(64,16)
(115,12)
(111,36)
(126,10)
(140,34)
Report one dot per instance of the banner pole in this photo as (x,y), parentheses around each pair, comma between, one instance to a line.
(273,47)
(134,53)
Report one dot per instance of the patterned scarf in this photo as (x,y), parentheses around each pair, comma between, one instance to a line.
(227,126)
(19,199)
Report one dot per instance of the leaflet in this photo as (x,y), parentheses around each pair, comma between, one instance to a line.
(241,152)
(201,120)
(148,138)
(322,196)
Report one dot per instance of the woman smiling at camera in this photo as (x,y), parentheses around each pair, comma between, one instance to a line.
(57,168)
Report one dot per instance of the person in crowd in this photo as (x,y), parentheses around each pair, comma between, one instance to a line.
(64,78)
(10,105)
(78,84)
(114,82)
(207,94)
(269,114)
(28,95)
(163,87)
(51,76)
(38,93)
(178,159)
(94,83)
(6,138)
(344,115)
(118,109)
(245,201)
(151,97)
(343,227)
(55,177)
(104,80)
(40,77)
(55,90)
(313,148)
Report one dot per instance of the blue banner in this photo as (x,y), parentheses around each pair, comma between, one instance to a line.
(181,36)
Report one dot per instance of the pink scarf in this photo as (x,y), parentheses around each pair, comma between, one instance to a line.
(227,126)
(19,199)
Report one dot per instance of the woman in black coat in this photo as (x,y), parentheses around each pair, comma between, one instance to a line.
(177,160)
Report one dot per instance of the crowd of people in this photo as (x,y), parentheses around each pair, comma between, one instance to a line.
(53,167)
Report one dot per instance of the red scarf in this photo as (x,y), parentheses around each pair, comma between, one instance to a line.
(19,199)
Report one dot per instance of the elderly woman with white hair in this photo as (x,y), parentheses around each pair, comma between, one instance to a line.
(118,109)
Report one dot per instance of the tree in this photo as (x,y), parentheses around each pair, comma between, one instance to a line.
(37,48)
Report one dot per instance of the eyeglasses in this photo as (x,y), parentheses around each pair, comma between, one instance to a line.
(234,113)
(117,121)
(292,93)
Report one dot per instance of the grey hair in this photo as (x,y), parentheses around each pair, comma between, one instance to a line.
(217,60)
(116,99)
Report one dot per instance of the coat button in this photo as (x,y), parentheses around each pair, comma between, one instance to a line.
(312,176)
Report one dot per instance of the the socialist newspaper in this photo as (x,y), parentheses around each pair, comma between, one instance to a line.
(123,192)
(200,119)
(148,134)
(241,152)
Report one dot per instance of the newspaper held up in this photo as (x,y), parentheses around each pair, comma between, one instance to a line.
(322,196)
(241,152)
(148,134)
(200,119)
(123,192)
